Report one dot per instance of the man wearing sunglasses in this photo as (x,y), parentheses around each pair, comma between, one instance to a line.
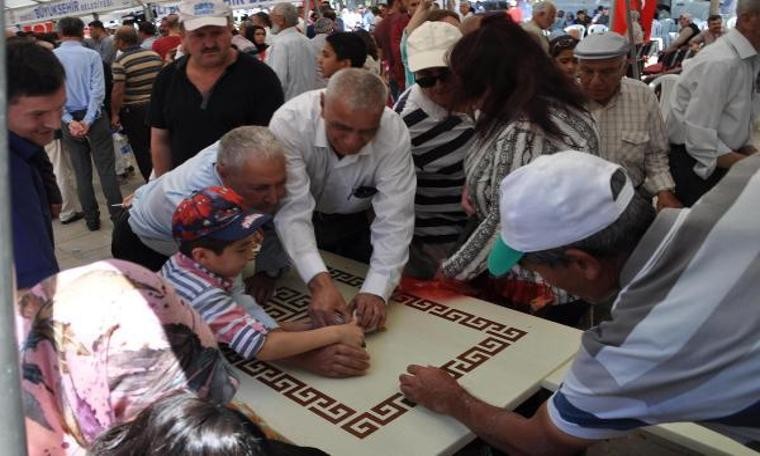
(440,140)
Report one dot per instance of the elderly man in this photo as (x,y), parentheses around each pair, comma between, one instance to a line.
(247,159)
(688,31)
(715,106)
(101,42)
(711,35)
(347,153)
(86,130)
(440,140)
(250,161)
(631,128)
(292,56)
(210,91)
(134,73)
(465,10)
(681,346)
(544,13)
(36,94)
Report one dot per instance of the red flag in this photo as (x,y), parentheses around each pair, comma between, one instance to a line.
(646,8)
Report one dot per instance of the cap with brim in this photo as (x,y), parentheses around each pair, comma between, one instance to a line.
(194,14)
(195,24)
(502,258)
(602,46)
(241,227)
(428,45)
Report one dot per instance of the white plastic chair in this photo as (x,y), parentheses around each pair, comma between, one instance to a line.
(597,28)
(666,82)
(579,27)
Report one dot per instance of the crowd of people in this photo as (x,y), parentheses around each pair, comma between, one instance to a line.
(459,147)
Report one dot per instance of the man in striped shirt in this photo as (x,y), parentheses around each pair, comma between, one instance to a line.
(440,140)
(134,72)
(682,344)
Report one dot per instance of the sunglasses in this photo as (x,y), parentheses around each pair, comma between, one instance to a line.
(427,82)
(564,43)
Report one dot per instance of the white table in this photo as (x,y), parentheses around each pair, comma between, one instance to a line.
(498,354)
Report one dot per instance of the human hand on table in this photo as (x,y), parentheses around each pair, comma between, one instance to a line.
(261,287)
(370,311)
(667,199)
(337,361)
(430,387)
(351,333)
(327,306)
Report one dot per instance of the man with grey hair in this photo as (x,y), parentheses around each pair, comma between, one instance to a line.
(209,91)
(681,344)
(631,128)
(688,31)
(347,152)
(250,161)
(544,13)
(247,159)
(292,55)
(715,104)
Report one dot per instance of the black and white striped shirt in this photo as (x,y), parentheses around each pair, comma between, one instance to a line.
(439,144)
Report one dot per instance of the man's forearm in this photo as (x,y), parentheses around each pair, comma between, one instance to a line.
(117,98)
(160,153)
(505,430)
(726,161)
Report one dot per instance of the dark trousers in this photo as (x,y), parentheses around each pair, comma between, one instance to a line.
(134,121)
(96,146)
(126,245)
(689,186)
(347,235)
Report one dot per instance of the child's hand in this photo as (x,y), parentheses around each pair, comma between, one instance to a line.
(351,333)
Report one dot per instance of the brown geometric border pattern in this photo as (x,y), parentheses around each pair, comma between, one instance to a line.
(288,304)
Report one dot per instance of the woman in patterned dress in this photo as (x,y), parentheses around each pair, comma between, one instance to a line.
(525,107)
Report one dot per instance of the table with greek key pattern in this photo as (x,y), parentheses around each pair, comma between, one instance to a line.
(498,354)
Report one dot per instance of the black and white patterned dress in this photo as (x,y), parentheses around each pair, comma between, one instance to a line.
(489,162)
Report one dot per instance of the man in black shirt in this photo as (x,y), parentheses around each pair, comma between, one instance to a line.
(210,91)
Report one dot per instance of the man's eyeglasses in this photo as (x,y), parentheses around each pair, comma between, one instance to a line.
(427,82)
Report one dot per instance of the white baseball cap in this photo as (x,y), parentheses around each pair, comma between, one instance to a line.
(429,43)
(194,14)
(554,201)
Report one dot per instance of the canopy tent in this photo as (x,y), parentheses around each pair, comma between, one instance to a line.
(20,12)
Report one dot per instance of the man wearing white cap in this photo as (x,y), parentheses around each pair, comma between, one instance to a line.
(208,92)
(631,129)
(440,140)
(682,341)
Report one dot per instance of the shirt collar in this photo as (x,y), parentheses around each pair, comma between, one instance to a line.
(187,263)
(71,43)
(22,147)
(742,45)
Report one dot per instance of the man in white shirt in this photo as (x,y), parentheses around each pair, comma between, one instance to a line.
(714,105)
(292,55)
(544,13)
(346,153)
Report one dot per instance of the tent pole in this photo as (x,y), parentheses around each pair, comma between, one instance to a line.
(12,431)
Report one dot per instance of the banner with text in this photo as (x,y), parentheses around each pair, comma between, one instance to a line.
(58,9)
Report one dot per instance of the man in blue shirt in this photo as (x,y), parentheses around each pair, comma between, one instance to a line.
(86,133)
(36,95)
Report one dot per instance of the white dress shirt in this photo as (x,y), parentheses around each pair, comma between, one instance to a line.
(715,101)
(318,180)
(292,57)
